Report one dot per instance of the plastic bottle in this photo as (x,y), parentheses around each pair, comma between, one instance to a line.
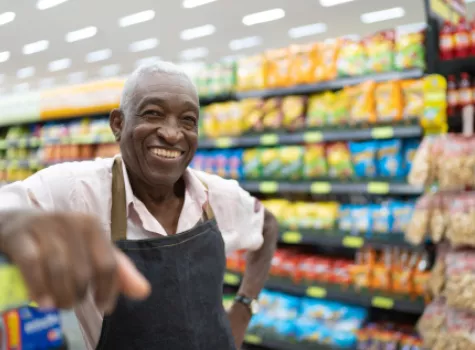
(462,39)
(452,96)
(446,41)
(472,37)
(465,90)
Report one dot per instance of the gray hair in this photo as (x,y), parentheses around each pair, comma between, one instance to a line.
(146,69)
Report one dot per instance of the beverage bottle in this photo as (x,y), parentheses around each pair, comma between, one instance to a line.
(465,93)
(462,39)
(452,96)
(446,41)
(472,37)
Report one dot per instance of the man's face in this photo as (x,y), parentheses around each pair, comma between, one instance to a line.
(159,128)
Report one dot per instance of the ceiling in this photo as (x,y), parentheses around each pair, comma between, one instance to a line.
(32,25)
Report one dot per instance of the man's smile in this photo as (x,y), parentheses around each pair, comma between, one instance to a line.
(165,153)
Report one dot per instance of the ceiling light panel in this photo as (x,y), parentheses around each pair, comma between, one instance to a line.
(26,72)
(35,47)
(143,45)
(307,30)
(100,55)
(245,43)
(192,54)
(329,3)
(6,17)
(81,34)
(46,4)
(4,56)
(136,18)
(58,65)
(383,15)
(263,17)
(197,32)
(188,4)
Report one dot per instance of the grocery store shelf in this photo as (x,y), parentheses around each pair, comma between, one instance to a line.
(334,187)
(206,100)
(456,66)
(256,342)
(331,85)
(348,294)
(343,134)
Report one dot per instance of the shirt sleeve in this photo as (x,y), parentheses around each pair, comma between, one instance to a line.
(239,216)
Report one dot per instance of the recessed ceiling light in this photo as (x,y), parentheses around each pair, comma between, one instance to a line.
(100,55)
(4,56)
(25,72)
(110,70)
(188,4)
(46,4)
(146,61)
(6,17)
(328,3)
(136,18)
(307,30)
(264,16)
(197,32)
(58,65)
(383,15)
(245,43)
(22,87)
(46,83)
(144,45)
(35,47)
(76,77)
(81,34)
(192,54)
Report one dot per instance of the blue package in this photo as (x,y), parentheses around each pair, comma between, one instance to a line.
(221,163)
(345,220)
(235,169)
(312,332)
(284,328)
(363,155)
(409,151)
(401,213)
(390,160)
(381,218)
(343,340)
(285,307)
(361,219)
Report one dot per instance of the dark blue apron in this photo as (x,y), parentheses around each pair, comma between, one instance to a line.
(185,309)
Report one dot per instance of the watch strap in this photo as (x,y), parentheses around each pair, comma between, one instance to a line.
(244,300)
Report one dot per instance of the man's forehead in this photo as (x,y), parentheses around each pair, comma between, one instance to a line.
(159,82)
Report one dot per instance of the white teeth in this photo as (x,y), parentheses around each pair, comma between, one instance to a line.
(165,153)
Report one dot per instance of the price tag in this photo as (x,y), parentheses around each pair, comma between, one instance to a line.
(291,237)
(268,187)
(382,302)
(313,137)
(223,142)
(316,292)
(384,132)
(320,187)
(252,339)
(378,188)
(269,139)
(13,291)
(352,242)
(231,279)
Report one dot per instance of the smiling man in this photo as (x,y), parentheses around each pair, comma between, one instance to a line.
(136,244)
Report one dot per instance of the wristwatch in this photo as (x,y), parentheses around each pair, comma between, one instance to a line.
(251,303)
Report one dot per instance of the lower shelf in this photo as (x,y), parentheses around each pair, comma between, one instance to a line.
(255,342)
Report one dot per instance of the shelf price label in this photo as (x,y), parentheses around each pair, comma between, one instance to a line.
(252,339)
(291,237)
(320,187)
(231,279)
(378,188)
(382,302)
(268,187)
(269,139)
(223,142)
(352,242)
(383,132)
(313,137)
(316,292)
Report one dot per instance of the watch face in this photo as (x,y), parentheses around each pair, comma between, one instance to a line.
(254,307)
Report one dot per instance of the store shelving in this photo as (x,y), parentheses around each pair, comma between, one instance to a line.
(335,84)
(257,342)
(348,294)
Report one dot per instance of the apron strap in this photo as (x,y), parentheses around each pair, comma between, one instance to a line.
(208,213)
(119,206)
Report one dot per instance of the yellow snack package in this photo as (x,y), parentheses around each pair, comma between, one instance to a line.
(352,58)
(251,73)
(272,114)
(293,110)
(388,101)
(210,122)
(303,63)
(278,207)
(412,98)
(314,162)
(434,118)
(271,163)
(339,108)
(291,163)
(250,113)
(252,167)
(318,110)
(327,215)
(278,68)
(326,56)
(361,101)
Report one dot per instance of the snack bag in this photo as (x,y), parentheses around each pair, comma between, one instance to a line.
(379,49)
(363,156)
(234,165)
(436,283)
(251,114)
(419,224)
(410,148)
(314,162)
(272,116)
(432,322)
(412,98)
(361,217)
(339,160)
(388,99)
(291,163)
(461,328)
(327,53)
(304,59)
(278,68)
(424,169)
(390,161)
(440,216)
(410,49)
(401,214)
(251,73)
(252,168)
(460,279)
(271,163)
(339,108)
(351,59)
(461,220)
(345,222)
(362,104)
(380,218)
(221,162)
(293,110)
(318,109)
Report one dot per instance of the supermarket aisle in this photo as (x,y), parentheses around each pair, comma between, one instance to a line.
(72,331)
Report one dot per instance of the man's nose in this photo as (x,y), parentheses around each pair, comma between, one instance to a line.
(170,132)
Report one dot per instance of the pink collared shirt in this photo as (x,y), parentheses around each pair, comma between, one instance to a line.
(86,187)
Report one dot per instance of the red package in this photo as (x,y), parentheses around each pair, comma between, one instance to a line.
(341,272)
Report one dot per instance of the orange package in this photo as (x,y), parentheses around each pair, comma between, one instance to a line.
(362,103)
(381,278)
(251,73)
(303,63)
(278,68)
(412,98)
(326,56)
(388,99)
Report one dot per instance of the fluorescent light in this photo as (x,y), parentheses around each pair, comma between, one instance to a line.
(6,17)
(144,45)
(46,83)
(81,34)
(264,16)
(46,4)
(328,3)
(4,56)
(35,47)
(136,18)
(25,72)
(307,30)
(58,65)
(76,77)
(22,87)
(245,43)
(110,70)
(197,32)
(195,53)
(146,61)
(188,4)
(383,15)
(100,55)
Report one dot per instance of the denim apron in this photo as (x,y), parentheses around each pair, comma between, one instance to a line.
(185,309)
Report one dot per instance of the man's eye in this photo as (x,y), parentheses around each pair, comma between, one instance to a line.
(152,113)
(190,119)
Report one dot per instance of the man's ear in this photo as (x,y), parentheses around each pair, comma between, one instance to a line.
(116,122)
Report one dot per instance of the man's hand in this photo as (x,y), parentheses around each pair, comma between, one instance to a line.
(61,255)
